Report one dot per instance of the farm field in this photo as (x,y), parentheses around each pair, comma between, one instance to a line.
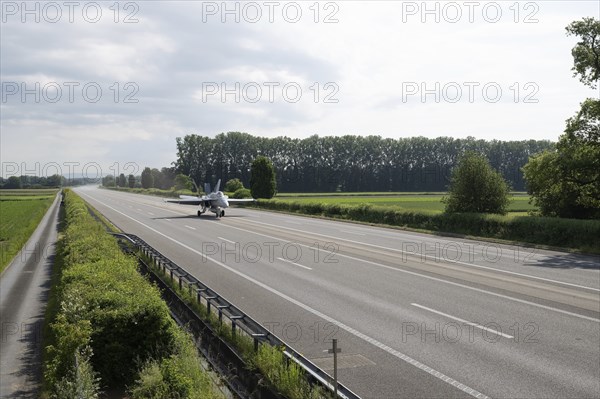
(407,201)
(20,213)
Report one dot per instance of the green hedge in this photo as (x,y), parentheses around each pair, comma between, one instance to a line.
(568,233)
(108,316)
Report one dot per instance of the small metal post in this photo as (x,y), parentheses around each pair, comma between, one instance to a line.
(234,325)
(335,351)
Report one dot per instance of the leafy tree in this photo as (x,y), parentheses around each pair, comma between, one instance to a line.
(262,178)
(122,181)
(13,182)
(349,163)
(565,182)
(168,178)
(183,182)
(586,54)
(147,179)
(54,181)
(131,181)
(108,181)
(157,178)
(476,187)
(233,185)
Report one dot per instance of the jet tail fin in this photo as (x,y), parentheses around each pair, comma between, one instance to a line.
(207,188)
(218,185)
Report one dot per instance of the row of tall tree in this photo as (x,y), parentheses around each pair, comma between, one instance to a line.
(349,163)
(26,181)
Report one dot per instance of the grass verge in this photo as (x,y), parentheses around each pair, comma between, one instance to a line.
(107,327)
(20,211)
(287,377)
(580,235)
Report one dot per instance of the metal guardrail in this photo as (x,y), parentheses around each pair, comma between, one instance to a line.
(236,318)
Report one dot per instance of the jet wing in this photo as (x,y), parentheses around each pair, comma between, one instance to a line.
(185,200)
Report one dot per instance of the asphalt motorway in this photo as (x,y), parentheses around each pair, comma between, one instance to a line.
(416,315)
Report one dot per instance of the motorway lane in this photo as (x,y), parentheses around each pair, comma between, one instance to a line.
(496,340)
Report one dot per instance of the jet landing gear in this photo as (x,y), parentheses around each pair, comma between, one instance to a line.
(220,214)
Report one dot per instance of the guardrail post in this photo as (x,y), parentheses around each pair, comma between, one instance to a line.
(256,337)
(220,307)
(199,294)
(208,299)
(234,325)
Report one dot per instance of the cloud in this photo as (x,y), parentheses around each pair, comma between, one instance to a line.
(128,89)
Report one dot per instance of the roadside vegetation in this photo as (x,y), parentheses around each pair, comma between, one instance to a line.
(20,211)
(285,376)
(427,203)
(107,327)
(580,235)
(565,181)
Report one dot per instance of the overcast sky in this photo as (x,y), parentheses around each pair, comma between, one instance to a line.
(112,83)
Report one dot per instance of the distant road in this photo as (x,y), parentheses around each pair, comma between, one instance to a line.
(416,315)
(24,289)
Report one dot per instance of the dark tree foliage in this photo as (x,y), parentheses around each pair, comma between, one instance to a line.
(262,178)
(13,182)
(147,179)
(348,163)
(108,181)
(183,182)
(565,181)
(168,178)
(586,54)
(122,181)
(131,181)
(476,187)
(157,178)
(233,185)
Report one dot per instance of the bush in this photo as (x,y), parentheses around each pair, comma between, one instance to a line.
(476,187)
(242,193)
(107,311)
(568,233)
(233,185)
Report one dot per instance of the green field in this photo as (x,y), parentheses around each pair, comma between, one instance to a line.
(431,203)
(20,213)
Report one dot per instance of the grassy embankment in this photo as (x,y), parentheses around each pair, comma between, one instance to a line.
(425,212)
(20,212)
(422,202)
(286,377)
(107,328)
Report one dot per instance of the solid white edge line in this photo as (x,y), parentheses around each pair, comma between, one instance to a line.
(226,240)
(294,263)
(429,257)
(317,313)
(470,323)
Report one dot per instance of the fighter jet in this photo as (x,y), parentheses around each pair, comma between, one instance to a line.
(214,201)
